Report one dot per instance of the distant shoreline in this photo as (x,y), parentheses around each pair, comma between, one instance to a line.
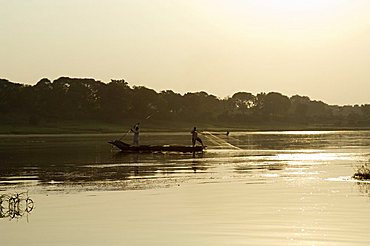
(115,128)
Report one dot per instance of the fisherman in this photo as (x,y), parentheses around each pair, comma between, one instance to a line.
(194,137)
(136,132)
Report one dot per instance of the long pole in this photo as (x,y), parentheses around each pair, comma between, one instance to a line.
(146,118)
(124,135)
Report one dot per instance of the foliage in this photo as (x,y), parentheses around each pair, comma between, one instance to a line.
(79,99)
(363,171)
(15,205)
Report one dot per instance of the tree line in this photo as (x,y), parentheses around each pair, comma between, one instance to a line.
(88,99)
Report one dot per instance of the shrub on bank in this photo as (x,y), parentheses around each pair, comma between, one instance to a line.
(363,171)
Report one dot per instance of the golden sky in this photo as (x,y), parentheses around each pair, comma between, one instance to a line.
(317,48)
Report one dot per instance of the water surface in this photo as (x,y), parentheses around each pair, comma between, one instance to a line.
(249,188)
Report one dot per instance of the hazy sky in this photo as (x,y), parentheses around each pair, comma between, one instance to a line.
(318,48)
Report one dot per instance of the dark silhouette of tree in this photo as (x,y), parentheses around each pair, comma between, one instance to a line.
(171,105)
(273,106)
(366,109)
(243,102)
(81,99)
(299,108)
(145,102)
(115,100)
(200,107)
(78,97)
(15,102)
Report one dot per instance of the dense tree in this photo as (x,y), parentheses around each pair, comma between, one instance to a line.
(171,105)
(243,102)
(299,108)
(145,102)
(275,104)
(115,100)
(88,99)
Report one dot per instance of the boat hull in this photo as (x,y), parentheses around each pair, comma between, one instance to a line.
(156,148)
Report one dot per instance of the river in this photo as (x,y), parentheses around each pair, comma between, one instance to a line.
(248,188)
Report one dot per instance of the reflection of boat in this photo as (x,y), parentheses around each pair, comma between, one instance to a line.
(156,148)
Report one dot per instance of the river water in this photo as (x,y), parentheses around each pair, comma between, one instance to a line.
(248,188)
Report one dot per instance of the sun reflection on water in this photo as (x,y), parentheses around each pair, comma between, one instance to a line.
(312,157)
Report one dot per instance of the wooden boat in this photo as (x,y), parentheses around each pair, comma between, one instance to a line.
(156,148)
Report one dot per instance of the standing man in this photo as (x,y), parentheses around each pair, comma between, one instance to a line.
(136,132)
(194,137)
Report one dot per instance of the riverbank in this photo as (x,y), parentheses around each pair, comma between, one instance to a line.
(80,127)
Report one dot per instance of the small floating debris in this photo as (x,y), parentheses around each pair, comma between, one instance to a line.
(362,172)
(15,205)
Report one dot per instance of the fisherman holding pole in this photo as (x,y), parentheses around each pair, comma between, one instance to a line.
(136,131)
